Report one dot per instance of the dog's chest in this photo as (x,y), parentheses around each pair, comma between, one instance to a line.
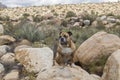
(67,51)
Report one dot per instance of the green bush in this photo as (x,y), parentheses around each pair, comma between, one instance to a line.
(90,16)
(4,18)
(30,32)
(37,18)
(64,23)
(24,30)
(26,15)
(70,14)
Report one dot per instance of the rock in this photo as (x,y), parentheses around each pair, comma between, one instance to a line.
(86,22)
(2,70)
(94,23)
(6,39)
(64,73)
(12,75)
(105,22)
(96,77)
(111,20)
(35,59)
(24,42)
(1,29)
(99,45)
(4,49)
(103,17)
(8,59)
(110,25)
(112,67)
(76,24)
(21,47)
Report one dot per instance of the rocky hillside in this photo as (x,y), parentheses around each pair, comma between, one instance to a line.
(61,10)
(27,37)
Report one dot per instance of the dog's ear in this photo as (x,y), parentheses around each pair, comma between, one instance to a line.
(70,33)
(60,32)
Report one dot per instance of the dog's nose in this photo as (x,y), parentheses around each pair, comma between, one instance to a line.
(62,39)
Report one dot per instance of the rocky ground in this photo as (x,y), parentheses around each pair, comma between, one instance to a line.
(27,36)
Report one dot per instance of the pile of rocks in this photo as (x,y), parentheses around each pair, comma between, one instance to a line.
(40,60)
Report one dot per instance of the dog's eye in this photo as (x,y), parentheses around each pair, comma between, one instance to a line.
(60,36)
(65,36)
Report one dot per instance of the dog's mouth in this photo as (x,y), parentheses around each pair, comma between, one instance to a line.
(63,43)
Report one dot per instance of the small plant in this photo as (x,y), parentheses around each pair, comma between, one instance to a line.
(70,14)
(56,14)
(110,14)
(4,18)
(64,23)
(90,16)
(100,25)
(37,18)
(26,14)
(30,32)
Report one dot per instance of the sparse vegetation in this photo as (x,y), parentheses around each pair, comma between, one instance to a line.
(64,23)
(26,14)
(70,14)
(90,16)
(38,18)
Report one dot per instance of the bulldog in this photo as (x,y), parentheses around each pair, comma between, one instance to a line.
(65,49)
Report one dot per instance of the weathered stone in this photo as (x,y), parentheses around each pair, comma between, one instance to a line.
(86,22)
(6,39)
(76,24)
(99,45)
(21,47)
(35,59)
(103,17)
(8,59)
(2,70)
(12,75)
(112,67)
(4,49)
(65,73)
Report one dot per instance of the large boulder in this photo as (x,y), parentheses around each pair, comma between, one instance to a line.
(35,59)
(2,70)
(12,75)
(4,49)
(6,39)
(1,29)
(99,45)
(112,67)
(65,73)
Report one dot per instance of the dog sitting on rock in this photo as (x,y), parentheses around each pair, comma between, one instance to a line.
(65,49)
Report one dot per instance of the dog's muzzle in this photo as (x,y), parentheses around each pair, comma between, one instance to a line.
(63,41)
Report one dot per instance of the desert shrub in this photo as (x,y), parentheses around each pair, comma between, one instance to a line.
(37,18)
(115,31)
(56,14)
(96,67)
(117,16)
(26,14)
(100,25)
(30,32)
(64,23)
(24,73)
(70,14)
(90,16)
(4,18)
(24,30)
(110,14)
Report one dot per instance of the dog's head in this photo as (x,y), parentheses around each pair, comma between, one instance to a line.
(64,37)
